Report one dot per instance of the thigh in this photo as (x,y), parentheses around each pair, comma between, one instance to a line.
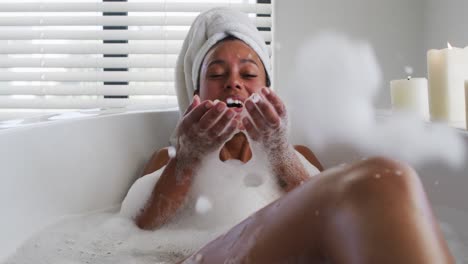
(372,211)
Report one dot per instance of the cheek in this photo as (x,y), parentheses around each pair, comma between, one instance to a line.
(255,86)
(209,90)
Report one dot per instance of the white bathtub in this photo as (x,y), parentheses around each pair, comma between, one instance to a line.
(56,168)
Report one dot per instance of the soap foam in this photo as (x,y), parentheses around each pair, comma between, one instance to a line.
(113,237)
(108,238)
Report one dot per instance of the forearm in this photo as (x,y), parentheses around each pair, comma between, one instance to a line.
(288,168)
(168,195)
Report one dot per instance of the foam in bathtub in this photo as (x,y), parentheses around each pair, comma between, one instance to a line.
(139,194)
(114,238)
(107,238)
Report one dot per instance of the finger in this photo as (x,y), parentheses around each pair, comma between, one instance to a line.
(199,110)
(240,126)
(258,119)
(195,102)
(278,105)
(269,113)
(250,128)
(231,128)
(222,123)
(210,117)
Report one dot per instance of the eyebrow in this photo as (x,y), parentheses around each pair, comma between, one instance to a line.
(216,62)
(248,60)
(223,62)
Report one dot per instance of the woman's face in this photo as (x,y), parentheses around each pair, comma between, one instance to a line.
(231,70)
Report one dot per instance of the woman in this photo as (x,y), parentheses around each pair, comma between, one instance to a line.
(372,211)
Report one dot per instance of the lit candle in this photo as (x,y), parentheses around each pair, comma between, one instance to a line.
(447,71)
(411,95)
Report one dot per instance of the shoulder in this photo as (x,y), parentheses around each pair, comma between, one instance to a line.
(159,159)
(309,155)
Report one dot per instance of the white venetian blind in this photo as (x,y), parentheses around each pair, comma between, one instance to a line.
(98,53)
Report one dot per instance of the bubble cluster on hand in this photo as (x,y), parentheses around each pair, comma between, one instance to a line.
(275,137)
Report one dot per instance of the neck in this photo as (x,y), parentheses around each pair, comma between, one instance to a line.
(236,148)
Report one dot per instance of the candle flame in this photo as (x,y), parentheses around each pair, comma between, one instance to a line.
(449,46)
(408,70)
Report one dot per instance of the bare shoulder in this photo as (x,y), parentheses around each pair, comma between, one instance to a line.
(159,159)
(309,155)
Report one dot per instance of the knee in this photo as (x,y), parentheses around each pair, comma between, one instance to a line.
(378,179)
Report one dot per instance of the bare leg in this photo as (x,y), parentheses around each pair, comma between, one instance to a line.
(372,211)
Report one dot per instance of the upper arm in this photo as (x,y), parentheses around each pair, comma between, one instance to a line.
(309,155)
(158,160)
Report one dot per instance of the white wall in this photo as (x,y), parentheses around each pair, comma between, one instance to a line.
(394,28)
(401,32)
(446,21)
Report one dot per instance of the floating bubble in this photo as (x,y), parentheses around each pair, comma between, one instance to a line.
(203,205)
(171,152)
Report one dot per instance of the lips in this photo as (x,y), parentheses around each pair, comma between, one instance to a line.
(236,103)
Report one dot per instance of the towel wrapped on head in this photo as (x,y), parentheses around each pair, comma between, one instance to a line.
(209,28)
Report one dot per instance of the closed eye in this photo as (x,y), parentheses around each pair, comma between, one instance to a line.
(250,75)
(215,75)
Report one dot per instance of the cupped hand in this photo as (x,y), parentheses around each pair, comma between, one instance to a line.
(204,127)
(268,124)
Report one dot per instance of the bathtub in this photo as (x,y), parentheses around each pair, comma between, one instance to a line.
(71,164)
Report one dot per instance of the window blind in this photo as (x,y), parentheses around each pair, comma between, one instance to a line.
(98,54)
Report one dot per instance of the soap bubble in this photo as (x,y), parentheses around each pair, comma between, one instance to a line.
(171,151)
(203,205)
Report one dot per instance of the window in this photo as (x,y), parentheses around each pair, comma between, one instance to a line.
(61,56)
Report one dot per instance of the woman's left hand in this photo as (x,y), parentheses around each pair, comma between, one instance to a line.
(270,126)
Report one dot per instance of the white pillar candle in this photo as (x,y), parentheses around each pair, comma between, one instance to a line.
(447,71)
(411,95)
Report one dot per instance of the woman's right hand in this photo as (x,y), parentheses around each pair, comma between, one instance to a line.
(204,127)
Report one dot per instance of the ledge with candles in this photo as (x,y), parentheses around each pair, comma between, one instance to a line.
(444,96)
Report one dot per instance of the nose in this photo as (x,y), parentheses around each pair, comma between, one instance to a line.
(233,82)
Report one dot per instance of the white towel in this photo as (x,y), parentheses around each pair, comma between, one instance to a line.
(209,28)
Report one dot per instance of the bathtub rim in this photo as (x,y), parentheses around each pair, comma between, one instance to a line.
(44,120)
